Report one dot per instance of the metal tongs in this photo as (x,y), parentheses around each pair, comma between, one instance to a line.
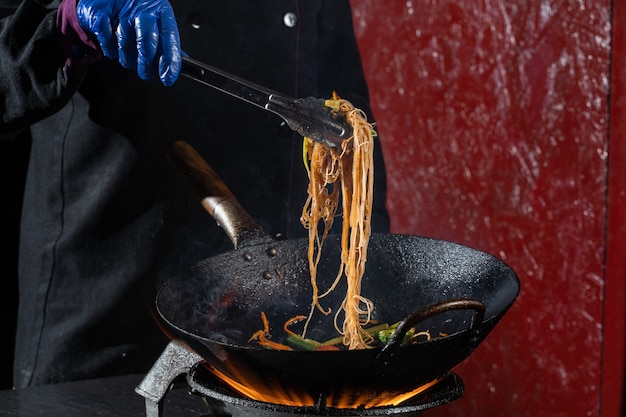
(310,117)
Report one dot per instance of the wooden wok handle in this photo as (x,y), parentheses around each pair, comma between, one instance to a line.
(213,193)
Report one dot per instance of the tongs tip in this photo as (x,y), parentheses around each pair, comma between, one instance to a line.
(311,118)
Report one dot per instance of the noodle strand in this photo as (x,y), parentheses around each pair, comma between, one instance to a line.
(352,167)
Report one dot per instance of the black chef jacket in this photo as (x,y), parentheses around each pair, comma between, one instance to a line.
(105,217)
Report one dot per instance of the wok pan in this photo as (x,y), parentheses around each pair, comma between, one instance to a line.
(454,292)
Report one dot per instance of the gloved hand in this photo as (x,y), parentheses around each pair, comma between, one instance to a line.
(141,34)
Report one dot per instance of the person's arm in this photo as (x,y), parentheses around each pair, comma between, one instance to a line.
(35,80)
(46,46)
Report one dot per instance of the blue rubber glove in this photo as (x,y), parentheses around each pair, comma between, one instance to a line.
(141,34)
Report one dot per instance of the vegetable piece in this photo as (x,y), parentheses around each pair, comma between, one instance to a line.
(371,330)
(262,336)
(291,321)
(302,343)
(322,348)
(296,340)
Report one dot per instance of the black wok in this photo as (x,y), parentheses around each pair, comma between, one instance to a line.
(454,292)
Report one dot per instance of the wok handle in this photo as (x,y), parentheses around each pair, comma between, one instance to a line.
(214,195)
(415,318)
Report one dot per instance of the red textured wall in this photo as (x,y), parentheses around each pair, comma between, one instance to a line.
(494,122)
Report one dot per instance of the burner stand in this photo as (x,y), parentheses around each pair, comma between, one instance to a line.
(178,359)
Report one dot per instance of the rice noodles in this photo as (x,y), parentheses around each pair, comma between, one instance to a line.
(347,173)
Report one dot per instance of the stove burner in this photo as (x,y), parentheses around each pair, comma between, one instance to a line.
(178,359)
(203,382)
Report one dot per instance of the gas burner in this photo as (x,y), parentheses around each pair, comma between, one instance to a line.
(178,359)
(203,382)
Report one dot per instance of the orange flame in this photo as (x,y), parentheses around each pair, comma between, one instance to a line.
(270,390)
